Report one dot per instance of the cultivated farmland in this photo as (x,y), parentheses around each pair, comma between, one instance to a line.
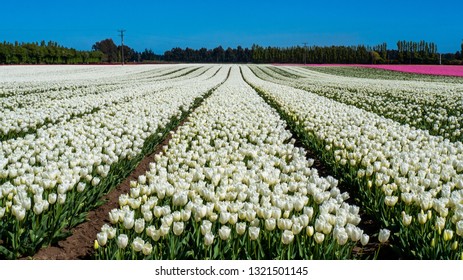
(258,162)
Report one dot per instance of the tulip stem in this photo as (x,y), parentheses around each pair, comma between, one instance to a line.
(377,252)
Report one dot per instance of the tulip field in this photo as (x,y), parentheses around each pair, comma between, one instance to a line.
(235,179)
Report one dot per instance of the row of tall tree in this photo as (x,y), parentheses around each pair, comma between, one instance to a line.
(106,51)
(217,55)
(408,52)
(45,53)
(312,54)
(416,52)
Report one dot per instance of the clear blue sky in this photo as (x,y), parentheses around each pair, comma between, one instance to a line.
(162,25)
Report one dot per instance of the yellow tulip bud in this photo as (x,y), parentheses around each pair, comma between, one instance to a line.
(433,242)
(369,184)
(95,245)
(455,245)
(448,234)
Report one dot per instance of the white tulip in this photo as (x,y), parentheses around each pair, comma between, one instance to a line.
(19,212)
(253,232)
(391,200)
(310,231)
(128,222)
(208,239)
(102,238)
(319,237)
(240,228)
(440,223)
(296,228)
(139,225)
(122,241)
(287,237)
(81,187)
(384,235)
(114,216)
(422,217)
(270,224)
(52,197)
(406,219)
(206,227)
(147,249)
(365,239)
(178,228)
(460,228)
(38,208)
(138,244)
(224,232)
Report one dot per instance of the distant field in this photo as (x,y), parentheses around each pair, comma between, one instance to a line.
(441,70)
(372,72)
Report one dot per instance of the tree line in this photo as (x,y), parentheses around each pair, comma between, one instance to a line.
(407,52)
(106,51)
(45,53)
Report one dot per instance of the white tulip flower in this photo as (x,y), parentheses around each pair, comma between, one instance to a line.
(102,238)
(270,224)
(406,219)
(19,212)
(287,237)
(147,249)
(128,222)
(384,235)
(422,217)
(139,225)
(364,239)
(310,231)
(224,232)
(319,237)
(459,228)
(208,239)
(52,197)
(122,241)
(178,228)
(138,244)
(38,208)
(206,226)
(253,232)
(240,228)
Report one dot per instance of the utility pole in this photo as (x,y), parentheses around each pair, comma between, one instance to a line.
(305,52)
(122,44)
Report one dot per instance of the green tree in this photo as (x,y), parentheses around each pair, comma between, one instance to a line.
(108,48)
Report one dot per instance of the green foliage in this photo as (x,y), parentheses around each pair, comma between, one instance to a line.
(51,53)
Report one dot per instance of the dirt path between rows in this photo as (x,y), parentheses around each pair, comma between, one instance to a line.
(80,244)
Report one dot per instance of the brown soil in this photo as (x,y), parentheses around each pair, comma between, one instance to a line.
(80,244)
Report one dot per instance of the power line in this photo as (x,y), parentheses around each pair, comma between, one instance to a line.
(305,52)
(122,44)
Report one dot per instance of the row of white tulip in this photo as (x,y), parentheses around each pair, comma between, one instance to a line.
(231,179)
(28,94)
(381,74)
(436,107)
(42,173)
(411,180)
(66,74)
(27,112)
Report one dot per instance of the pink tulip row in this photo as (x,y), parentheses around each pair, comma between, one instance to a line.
(441,70)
